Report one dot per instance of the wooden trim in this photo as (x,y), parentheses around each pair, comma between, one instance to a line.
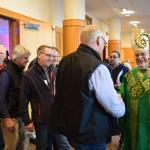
(71,35)
(72,22)
(114,45)
(59,39)
(114,41)
(14,35)
(16,16)
(59,29)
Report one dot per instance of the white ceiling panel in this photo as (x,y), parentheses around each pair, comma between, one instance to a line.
(108,9)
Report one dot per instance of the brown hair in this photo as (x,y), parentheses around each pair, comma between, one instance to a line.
(42,48)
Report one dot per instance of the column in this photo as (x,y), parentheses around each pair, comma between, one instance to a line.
(74,16)
(114,42)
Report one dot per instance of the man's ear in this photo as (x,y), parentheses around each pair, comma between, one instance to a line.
(38,54)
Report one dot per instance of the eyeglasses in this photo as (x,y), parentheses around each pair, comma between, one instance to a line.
(113,57)
(48,55)
(140,54)
(2,53)
(103,40)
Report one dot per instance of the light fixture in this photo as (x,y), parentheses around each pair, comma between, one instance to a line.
(53,27)
(126,12)
(134,23)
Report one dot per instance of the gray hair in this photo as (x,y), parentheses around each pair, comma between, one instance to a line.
(90,33)
(18,51)
(2,48)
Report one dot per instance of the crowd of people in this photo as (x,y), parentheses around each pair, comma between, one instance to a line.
(80,101)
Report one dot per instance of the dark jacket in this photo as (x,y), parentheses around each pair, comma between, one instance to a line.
(122,70)
(115,72)
(12,98)
(36,89)
(4,84)
(77,114)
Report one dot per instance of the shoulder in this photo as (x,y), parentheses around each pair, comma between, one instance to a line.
(29,71)
(131,72)
(102,68)
(4,77)
(4,74)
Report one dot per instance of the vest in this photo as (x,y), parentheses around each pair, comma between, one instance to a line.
(77,114)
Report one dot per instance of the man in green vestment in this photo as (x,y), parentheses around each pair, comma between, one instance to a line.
(135,91)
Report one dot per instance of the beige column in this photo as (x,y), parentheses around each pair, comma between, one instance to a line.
(114,42)
(74,16)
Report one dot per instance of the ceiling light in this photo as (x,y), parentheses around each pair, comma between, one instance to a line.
(134,23)
(126,12)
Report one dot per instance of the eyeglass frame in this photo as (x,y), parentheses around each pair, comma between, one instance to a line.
(49,55)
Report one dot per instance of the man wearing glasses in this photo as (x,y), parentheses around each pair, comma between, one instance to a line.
(118,71)
(38,89)
(82,105)
(135,90)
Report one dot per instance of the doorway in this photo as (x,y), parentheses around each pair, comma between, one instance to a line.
(9,32)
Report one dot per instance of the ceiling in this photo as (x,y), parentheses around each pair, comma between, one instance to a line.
(105,10)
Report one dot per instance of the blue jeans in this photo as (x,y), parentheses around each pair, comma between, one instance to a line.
(43,136)
(60,142)
(89,147)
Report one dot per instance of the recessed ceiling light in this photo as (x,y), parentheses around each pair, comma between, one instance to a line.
(134,23)
(126,12)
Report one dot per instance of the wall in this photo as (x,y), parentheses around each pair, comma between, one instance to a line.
(57,9)
(31,38)
(126,39)
(96,21)
(128,55)
(37,9)
(34,38)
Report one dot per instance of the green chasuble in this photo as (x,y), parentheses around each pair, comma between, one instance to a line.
(135,90)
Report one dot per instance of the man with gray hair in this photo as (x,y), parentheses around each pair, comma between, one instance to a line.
(10,86)
(82,105)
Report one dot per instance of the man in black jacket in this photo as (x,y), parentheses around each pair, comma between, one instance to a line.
(37,89)
(10,88)
(118,71)
(82,105)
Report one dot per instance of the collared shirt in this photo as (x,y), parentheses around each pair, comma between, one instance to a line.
(102,85)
